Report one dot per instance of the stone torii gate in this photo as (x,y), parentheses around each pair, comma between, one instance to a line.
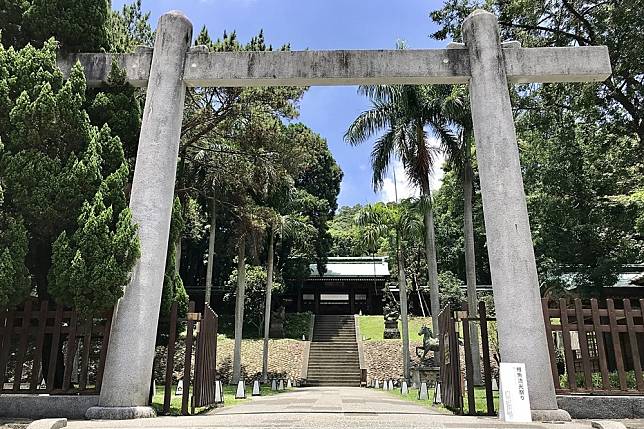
(483,62)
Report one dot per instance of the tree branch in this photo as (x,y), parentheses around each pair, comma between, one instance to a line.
(581,40)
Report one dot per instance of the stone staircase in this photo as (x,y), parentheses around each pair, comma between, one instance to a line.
(333,356)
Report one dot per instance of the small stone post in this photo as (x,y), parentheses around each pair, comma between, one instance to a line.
(128,368)
(512,264)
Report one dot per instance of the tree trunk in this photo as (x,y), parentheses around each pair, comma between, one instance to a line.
(239,308)
(211,251)
(432,266)
(402,284)
(267,309)
(177,255)
(470,264)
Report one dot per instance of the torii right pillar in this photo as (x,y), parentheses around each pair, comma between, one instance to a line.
(513,268)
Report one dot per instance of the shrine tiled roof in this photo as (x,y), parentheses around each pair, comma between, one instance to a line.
(353,267)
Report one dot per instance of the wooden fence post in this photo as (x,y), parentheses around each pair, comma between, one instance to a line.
(169,367)
(487,368)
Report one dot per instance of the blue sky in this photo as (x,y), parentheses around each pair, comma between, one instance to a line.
(323,24)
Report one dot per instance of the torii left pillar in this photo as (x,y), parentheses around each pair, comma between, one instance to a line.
(130,355)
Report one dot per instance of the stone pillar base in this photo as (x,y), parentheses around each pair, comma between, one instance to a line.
(119,413)
(557,415)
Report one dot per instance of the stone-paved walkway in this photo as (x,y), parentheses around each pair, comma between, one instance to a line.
(324,408)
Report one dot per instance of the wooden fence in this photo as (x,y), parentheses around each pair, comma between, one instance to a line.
(450,361)
(452,370)
(594,346)
(198,385)
(46,348)
(206,360)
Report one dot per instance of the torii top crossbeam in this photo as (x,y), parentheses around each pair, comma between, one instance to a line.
(483,62)
(355,67)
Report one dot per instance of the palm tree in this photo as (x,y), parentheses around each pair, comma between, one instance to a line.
(403,112)
(381,221)
(459,154)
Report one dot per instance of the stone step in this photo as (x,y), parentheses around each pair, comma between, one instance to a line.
(337,339)
(335,325)
(334,334)
(333,353)
(339,371)
(338,377)
(333,365)
(339,381)
(315,383)
(334,344)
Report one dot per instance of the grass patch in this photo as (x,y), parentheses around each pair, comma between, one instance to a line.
(479,398)
(412,396)
(480,401)
(229,398)
(373,327)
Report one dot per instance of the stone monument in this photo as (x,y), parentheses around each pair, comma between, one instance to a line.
(277,322)
(391,314)
(427,370)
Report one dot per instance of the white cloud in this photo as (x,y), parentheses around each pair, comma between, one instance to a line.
(436,179)
(406,189)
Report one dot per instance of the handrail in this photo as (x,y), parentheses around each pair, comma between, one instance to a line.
(304,372)
(361,360)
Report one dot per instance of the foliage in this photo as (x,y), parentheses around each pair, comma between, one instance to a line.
(262,173)
(450,290)
(580,144)
(52,158)
(78,25)
(613,378)
(117,104)
(297,325)
(92,267)
(129,28)
(448,208)
(402,112)
(15,283)
(255,294)
(345,234)
(173,289)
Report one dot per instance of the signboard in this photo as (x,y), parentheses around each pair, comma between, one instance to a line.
(514,402)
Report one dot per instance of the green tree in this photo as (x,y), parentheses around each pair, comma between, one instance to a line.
(173,288)
(129,28)
(15,283)
(53,158)
(256,278)
(346,234)
(580,144)
(536,23)
(78,25)
(403,112)
(394,222)
(451,292)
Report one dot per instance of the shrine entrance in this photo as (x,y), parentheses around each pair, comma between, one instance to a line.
(482,62)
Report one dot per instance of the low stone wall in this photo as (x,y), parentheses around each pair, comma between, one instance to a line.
(285,359)
(602,407)
(384,358)
(46,406)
